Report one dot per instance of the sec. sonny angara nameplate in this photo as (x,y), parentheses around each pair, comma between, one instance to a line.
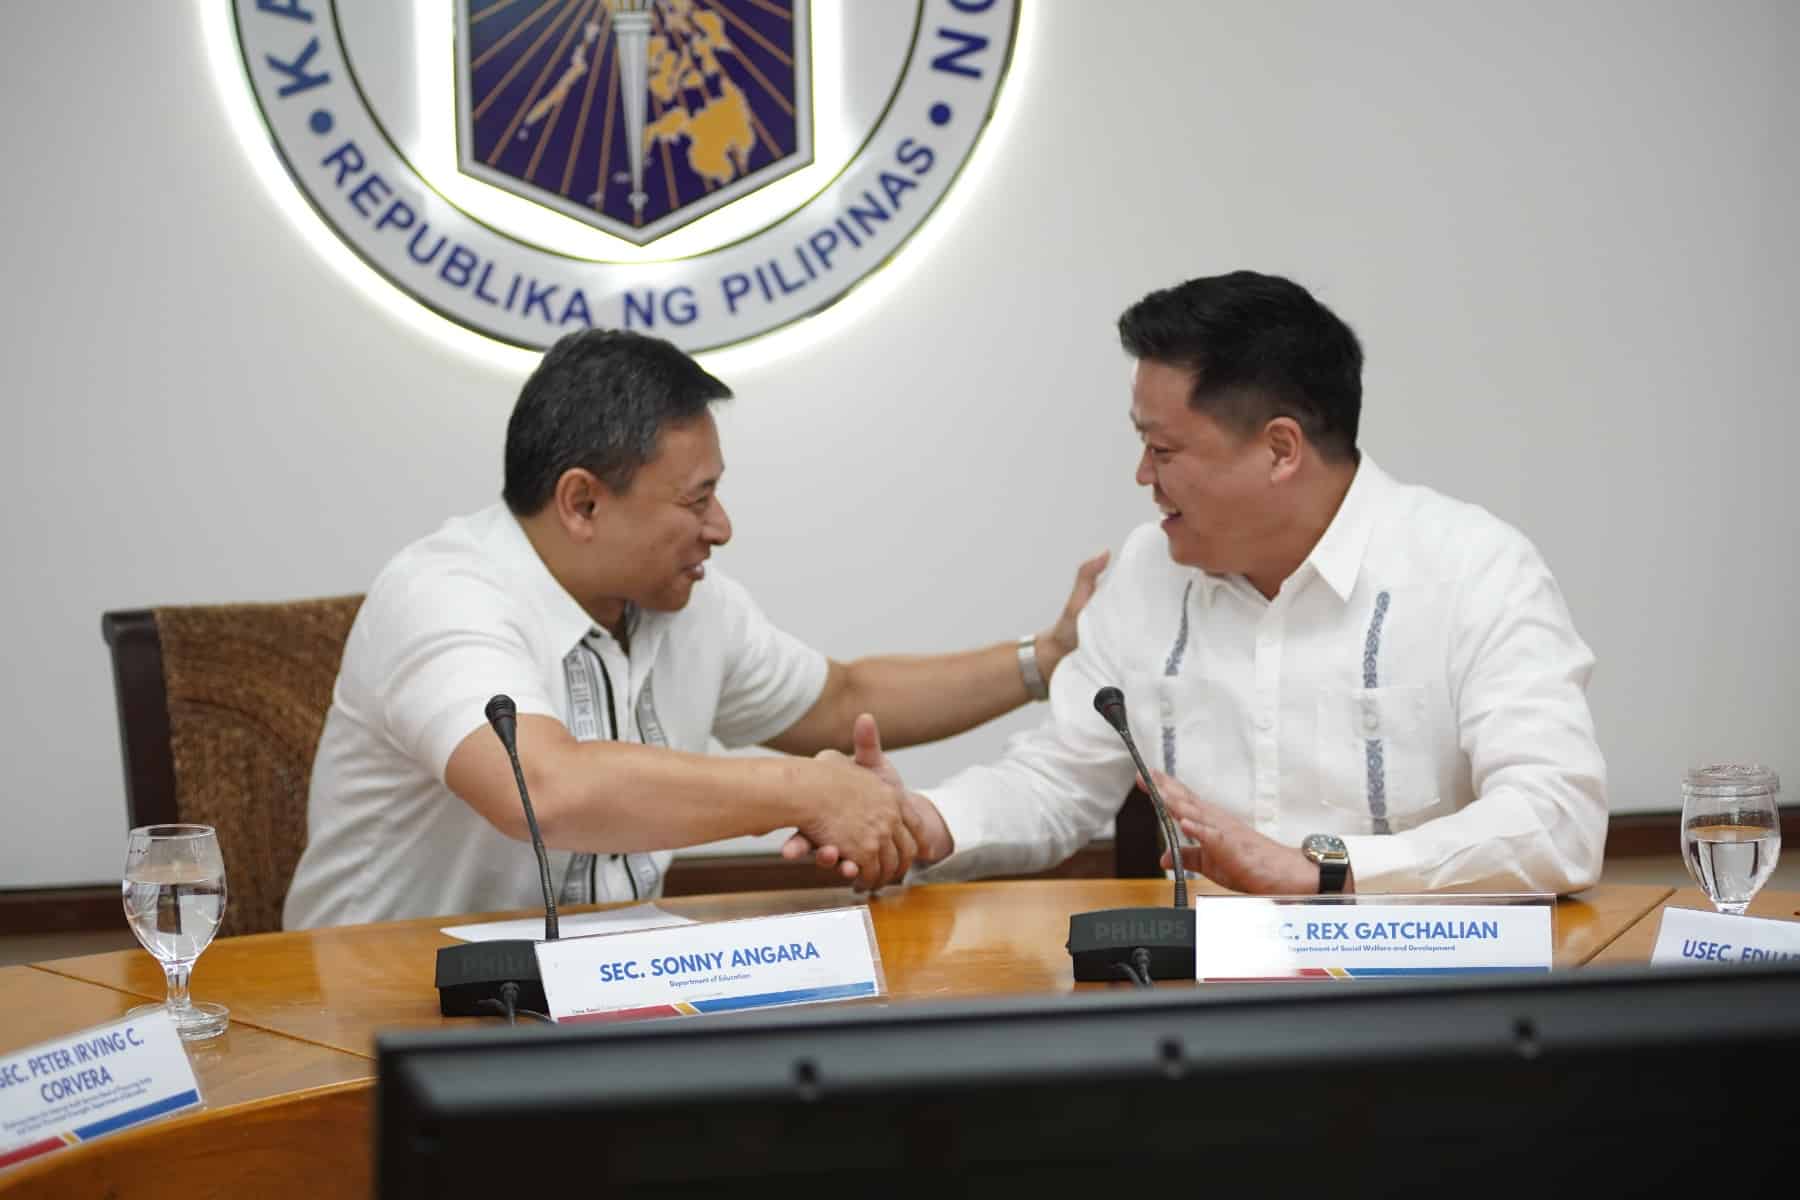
(704,170)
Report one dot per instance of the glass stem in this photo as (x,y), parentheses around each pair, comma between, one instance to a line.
(177,974)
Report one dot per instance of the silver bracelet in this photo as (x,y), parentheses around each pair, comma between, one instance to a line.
(1028,669)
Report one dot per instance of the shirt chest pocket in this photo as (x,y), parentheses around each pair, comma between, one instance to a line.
(1375,756)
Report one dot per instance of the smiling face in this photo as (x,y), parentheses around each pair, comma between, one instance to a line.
(657,535)
(1213,486)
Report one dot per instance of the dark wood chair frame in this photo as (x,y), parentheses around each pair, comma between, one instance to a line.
(143,704)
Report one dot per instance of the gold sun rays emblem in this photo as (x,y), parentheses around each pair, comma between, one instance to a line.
(635,116)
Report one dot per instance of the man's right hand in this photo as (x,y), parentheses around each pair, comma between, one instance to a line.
(863,820)
(930,835)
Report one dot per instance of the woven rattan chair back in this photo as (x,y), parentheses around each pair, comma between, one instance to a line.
(220,710)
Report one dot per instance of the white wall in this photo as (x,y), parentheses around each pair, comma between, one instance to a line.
(1564,231)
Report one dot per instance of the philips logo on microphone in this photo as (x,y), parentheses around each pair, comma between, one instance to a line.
(1137,931)
(496,960)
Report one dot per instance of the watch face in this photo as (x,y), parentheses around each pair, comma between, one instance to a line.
(1324,847)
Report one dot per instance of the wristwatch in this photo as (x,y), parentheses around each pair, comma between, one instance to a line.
(1333,858)
(1035,686)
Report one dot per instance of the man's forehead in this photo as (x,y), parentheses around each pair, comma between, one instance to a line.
(1131,379)
(688,454)
(701,468)
(1156,385)
(1146,418)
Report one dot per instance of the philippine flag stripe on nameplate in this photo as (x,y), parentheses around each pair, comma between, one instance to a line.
(843,991)
(32,1149)
(137,1116)
(1380,972)
(725,966)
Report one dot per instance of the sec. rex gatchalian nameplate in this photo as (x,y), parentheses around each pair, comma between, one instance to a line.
(1250,938)
(88,1084)
(703,170)
(763,962)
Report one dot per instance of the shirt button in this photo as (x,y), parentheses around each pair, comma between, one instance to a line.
(1265,722)
(1371,720)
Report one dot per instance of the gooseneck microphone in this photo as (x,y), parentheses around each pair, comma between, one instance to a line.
(1109,702)
(478,978)
(1141,944)
(504,717)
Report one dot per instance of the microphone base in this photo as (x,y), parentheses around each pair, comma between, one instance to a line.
(1102,940)
(472,972)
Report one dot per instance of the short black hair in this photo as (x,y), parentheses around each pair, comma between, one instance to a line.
(1260,347)
(599,399)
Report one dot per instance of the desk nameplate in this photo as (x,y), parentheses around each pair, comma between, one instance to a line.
(92,1083)
(1249,938)
(763,962)
(1688,936)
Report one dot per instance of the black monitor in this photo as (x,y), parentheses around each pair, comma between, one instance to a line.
(1628,1080)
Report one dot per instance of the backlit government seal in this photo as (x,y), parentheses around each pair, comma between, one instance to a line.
(704,170)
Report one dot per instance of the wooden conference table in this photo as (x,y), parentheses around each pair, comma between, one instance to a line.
(289,1087)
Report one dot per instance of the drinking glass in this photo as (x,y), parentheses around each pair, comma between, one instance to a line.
(174,894)
(1730,831)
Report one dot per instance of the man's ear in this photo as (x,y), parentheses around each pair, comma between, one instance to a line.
(1286,442)
(578,499)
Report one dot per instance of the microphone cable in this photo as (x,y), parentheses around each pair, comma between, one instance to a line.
(1138,969)
(507,1006)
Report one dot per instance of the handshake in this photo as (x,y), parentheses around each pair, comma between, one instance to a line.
(865,824)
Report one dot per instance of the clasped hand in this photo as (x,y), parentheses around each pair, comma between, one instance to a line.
(885,853)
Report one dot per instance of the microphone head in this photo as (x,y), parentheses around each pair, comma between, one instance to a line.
(1109,702)
(499,709)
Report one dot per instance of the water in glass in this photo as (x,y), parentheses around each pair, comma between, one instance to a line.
(174,895)
(1730,831)
(174,909)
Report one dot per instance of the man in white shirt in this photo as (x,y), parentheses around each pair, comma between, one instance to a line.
(1340,682)
(581,598)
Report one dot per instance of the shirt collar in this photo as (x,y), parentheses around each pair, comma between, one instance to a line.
(1207,585)
(566,621)
(1338,556)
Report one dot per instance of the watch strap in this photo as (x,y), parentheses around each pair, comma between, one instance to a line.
(1028,669)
